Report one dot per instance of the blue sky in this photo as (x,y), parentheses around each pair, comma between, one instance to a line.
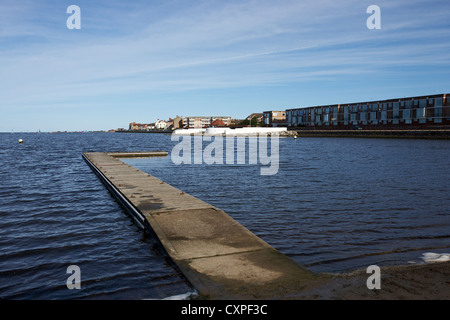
(147,60)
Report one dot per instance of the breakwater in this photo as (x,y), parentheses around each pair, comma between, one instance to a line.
(407,134)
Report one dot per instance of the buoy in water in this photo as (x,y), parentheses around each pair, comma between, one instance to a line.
(20,141)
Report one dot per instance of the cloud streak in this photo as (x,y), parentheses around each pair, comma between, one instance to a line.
(173,46)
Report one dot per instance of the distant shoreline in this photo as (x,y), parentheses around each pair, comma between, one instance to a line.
(443,134)
(142,131)
(436,134)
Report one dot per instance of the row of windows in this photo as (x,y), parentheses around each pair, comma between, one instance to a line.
(204,120)
(420,112)
(364,117)
(373,115)
(422,103)
(364,120)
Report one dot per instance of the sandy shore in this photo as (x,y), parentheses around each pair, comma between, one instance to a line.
(425,281)
(428,281)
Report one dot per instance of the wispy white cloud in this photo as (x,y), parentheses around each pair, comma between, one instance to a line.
(174,46)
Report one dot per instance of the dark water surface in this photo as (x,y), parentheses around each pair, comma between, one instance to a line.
(335,205)
(54,212)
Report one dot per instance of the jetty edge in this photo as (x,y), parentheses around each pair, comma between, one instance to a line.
(218,256)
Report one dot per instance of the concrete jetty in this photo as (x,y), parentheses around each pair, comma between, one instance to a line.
(220,257)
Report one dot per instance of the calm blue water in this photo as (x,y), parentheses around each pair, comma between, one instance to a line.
(335,205)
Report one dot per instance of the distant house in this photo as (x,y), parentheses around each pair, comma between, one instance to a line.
(203,121)
(138,126)
(161,125)
(177,123)
(235,122)
(217,123)
(169,124)
(259,117)
(133,126)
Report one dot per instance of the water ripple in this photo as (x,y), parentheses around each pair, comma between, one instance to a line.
(54,212)
(335,201)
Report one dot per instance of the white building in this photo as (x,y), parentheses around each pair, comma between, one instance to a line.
(161,124)
(203,121)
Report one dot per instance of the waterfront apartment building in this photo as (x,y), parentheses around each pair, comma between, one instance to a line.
(274,118)
(204,121)
(401,113)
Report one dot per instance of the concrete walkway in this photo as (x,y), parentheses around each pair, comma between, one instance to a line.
(219,257)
